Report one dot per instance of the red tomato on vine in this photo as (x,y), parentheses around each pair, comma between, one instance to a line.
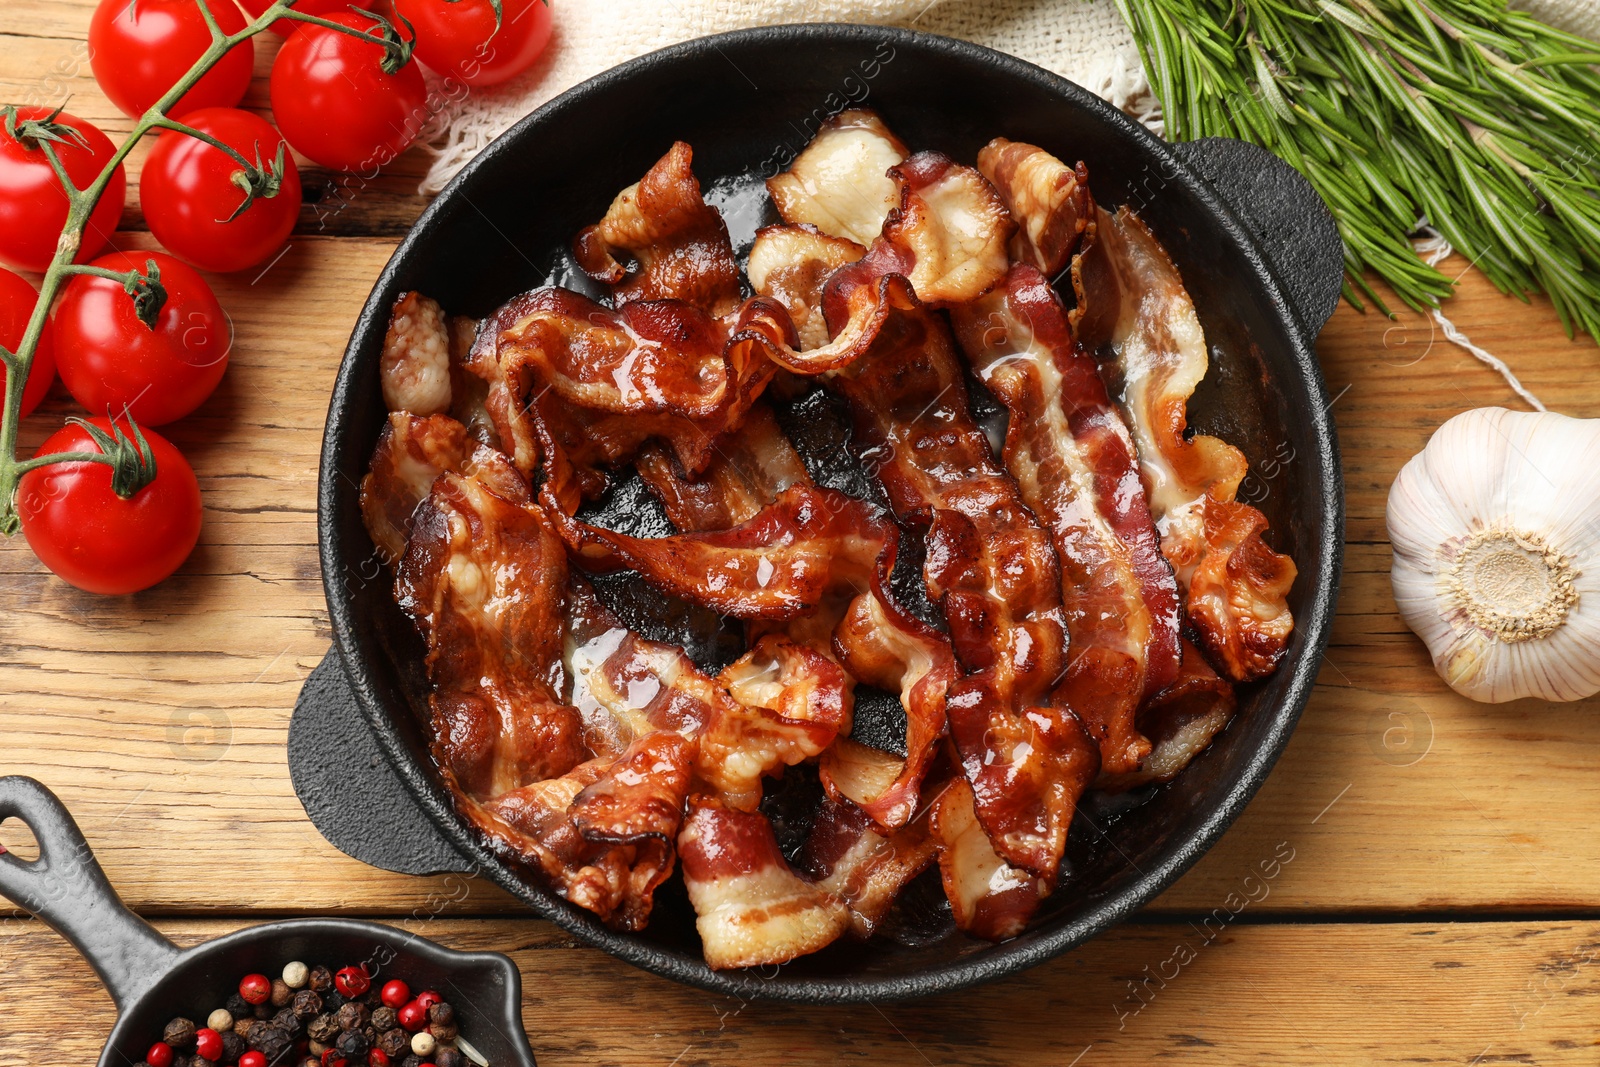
(110,360)
(256,8)
(139,49)
(459,38)
(207,208)
(33,205)
(348,103)
(17,300)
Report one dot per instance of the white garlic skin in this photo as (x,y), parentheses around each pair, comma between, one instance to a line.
(1535,475)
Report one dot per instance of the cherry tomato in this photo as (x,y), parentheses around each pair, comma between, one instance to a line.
(88,535)
(33,206)
(17,299)
(190,191)
(335,104)
(109,360)
(457,38)
(256,8)
(138,49)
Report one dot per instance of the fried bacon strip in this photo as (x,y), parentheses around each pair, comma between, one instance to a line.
(989,898)
(1070,453)
(1132,308)
(839,183)
(1180,721)
(752,466)
(849,855)
(414,367)
(994,573)
(752,908)
(679,241)
(791,264)
(411,452)
(1047,199)
(485,579)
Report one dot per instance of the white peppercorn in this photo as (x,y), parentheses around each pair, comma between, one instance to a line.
(423,1043)
(296,975)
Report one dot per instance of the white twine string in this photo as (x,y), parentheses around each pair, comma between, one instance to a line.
(1432,246)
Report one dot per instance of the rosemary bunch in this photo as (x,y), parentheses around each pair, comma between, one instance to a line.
(1483,121)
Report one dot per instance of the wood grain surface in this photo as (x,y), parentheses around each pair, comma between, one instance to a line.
(1445,864)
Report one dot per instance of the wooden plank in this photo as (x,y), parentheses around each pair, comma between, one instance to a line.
(1479,993)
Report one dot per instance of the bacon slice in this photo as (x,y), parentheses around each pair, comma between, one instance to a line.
(484,579)
(469,394)
(1048,200)
(776,565)
(789,703)
(790,264)
(410,454)
(1180,721)
(839,183)
(1071,455)
(847,854)
(989,898)
(1133,309)
(679,241)
(752,466)
(414,367)
(752,908)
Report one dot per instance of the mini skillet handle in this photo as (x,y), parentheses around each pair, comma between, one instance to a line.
(1283,212)
(67,889)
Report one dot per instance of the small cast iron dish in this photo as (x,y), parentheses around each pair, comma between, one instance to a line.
(1259,254)
(151,980)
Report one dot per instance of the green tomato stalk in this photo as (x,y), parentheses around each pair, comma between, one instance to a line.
(128,454)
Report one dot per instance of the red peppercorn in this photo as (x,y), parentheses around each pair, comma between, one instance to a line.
(250,1059)
(208,1044)
(332,1058)
(352,981)
(428,998)
(160,1055)
(412,1016)
(255,988)
(395,994)
(377,1058)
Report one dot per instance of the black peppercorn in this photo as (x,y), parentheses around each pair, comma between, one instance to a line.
(394,1041)
(321,980)
(353,1016)
(262,1011)
(332,1000)
(268,1040)
(412,1060)
(384,1019)
(449,1057)
(281,993)
(201,1061)
(372,998)
(353,1044)
(238,1007)
(306,1004)
(441,1014)
(181,1059)
(233,1047)
(323,1028)
(287,1021)
(179,1033)
(444,1033)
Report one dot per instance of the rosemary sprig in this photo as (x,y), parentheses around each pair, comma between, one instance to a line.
(1482,120)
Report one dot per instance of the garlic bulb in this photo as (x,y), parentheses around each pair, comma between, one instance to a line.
(1496,534)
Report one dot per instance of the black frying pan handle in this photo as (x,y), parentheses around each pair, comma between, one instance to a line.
(1289,221)
(67,889)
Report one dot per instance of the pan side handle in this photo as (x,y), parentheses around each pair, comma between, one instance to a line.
(1289,221)
(67,889)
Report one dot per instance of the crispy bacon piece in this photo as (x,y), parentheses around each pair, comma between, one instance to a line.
(989,898)
(752,908)
(790,264)
(485,581)
(411,453)
(641,795)
(839,183)
(774,566)
(469,393)
(751,467)
(994,573)
(414,368)
(679,241)
(1071,455)
(789,703)
(1133,309)
(1049,201)
(847,854)
(1180,721)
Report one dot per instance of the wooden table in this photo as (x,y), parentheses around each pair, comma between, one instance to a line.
(1442,903)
